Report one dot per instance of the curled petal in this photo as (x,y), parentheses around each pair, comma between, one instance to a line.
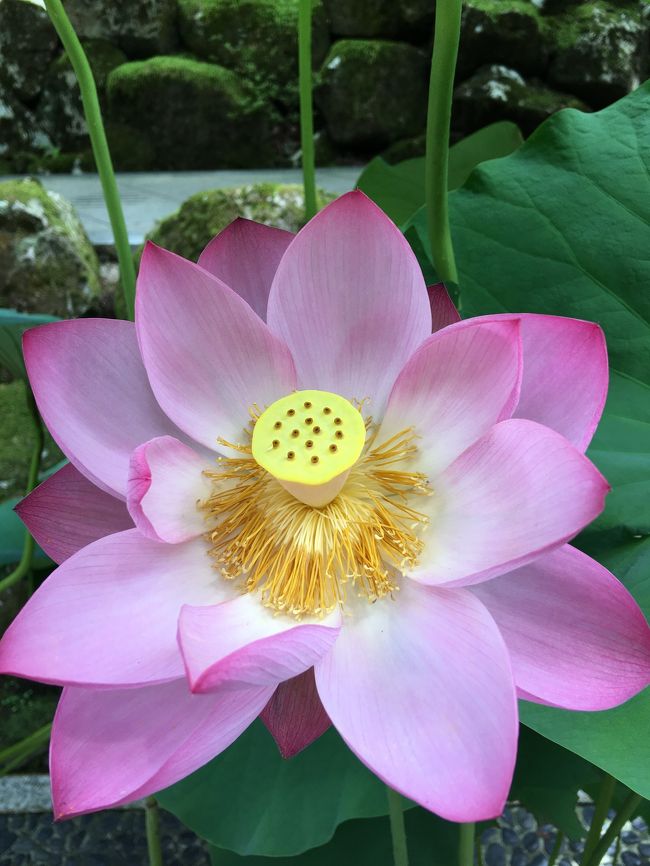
(166,486)
(243,642)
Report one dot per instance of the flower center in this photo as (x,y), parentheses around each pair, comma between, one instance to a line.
(301,531)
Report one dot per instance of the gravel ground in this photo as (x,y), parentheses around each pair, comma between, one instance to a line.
(29,837)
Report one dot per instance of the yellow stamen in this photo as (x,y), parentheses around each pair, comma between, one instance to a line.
(301,559)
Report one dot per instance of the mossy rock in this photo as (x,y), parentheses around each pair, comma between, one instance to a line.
(197,115)
(60,113)
(47,263)
(140,29)
(205,214)
(24,708)
(499,93)
(17,439)
(256,38)
(599,51)
(373,92)
(502,31)
(381,18)
(28,42)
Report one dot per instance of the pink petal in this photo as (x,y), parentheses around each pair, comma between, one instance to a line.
(94,396)
(209,358)
(245,256)
(443,310)
(112,747)
(421,690)
(66,512)
(349,300)
(166,485)
(576,637)
(518,492)
(243,642)
(565,374)
(454,388)
(295,715)
(108,615)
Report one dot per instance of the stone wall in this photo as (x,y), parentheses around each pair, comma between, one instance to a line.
(191,84)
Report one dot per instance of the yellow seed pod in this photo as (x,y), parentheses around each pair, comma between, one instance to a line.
(309,439)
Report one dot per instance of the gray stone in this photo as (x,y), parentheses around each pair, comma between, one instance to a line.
(373,92)
(499,93)
(18,133)
(509,836)
(599,51)
(256,38)
(47,263)
(531,841)
(140,29)
(379,18)
(194,115)
(519,857)
(502,31)
(60,111)
(495,855)
(28,43)
(629,858)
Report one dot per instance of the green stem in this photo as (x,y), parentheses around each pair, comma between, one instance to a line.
(15,755)
(152,823)
(397,828)
(441,87)
(306,108)
(555,853)
(617,850)
(602,806)
(25,562)
(99,144)
(629,807)
(466,844)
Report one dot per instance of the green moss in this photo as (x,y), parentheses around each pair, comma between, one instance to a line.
(196,115)
(502,31)
(17,439)
(257,38)
(598,50)
(205,214)
(373,92)
(24,708)
(47,263)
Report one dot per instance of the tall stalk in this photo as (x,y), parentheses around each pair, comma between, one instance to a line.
(467,833)
(441,86)
(306,107)
(397,828)
(602,806)
(152,826)
(99,144)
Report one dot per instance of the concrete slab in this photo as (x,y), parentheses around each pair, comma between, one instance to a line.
(149,196)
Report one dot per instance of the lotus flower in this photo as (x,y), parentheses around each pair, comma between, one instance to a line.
(287,496)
